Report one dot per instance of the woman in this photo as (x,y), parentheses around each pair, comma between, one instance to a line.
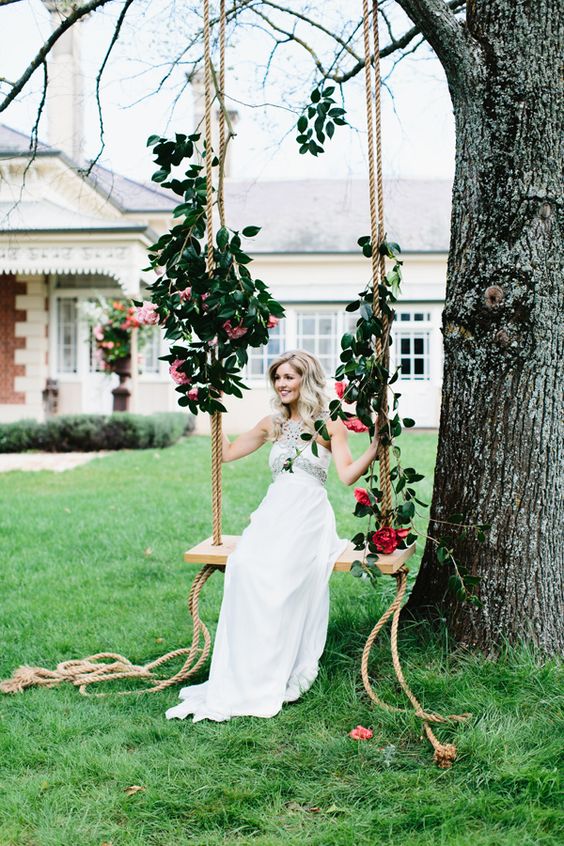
(273,620)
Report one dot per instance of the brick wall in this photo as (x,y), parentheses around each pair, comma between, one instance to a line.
(9,343)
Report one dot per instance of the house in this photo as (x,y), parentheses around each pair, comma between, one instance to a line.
(69,235)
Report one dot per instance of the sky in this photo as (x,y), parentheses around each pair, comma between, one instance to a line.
(418,127)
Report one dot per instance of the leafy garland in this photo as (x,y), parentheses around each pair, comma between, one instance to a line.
(213,317)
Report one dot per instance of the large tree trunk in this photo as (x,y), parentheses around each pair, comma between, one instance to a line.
(501,451)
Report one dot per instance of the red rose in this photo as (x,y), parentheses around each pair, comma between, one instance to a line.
(361,495)
(401,533)
(385,540)
(340,388)
(353,424)
(361,733)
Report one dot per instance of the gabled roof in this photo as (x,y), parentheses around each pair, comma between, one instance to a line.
(329,215)
(296,216)
(44,216)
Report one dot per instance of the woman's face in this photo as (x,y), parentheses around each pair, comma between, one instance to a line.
(287,383)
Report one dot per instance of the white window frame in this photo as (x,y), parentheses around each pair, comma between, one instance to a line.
(264,354)
(412,329)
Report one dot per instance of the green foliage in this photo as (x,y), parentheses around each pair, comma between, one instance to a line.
(317,123)
(211,318)
(91,432)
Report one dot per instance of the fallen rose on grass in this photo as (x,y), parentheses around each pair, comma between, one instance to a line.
(361,733)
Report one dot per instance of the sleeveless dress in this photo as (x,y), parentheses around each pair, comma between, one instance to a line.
(273,620)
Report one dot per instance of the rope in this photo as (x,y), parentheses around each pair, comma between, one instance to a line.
(93,669)
(445,753)
(217,451)
(221,98)
(376,198)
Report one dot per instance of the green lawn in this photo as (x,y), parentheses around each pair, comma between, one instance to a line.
(92,560)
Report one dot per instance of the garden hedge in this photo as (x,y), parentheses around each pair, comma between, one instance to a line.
(89,432)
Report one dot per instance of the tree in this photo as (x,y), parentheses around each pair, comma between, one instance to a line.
(501,438)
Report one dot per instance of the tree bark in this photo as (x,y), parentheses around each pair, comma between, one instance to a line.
(501,450)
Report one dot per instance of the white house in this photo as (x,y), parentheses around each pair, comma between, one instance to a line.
(67,237)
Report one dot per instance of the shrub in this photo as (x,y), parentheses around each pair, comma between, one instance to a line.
(89,432)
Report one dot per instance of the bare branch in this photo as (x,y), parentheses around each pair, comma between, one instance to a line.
(39,59)
(115,36)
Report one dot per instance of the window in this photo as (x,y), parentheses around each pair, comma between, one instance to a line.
(149,355)
(67,334)
(260,358)
(318,333)
(411,345)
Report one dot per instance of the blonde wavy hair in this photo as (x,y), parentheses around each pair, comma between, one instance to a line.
(313,402)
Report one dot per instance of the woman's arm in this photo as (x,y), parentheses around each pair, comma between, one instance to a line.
(348,469)
(247,442)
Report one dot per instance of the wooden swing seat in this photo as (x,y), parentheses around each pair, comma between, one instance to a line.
(216,555)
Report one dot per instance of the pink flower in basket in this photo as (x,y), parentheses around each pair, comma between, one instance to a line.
(234,332)
(179,376)
(147,314)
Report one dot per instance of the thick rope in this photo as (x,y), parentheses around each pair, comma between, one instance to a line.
(221,98)
(93,669)
(217,454)
(376,198)
(445,753)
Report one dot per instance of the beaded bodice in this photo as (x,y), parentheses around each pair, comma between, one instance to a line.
(291,448)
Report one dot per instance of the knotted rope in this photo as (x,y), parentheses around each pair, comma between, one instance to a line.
(445,754)
(86,671)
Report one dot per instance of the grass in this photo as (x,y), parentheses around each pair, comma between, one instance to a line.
(91,561)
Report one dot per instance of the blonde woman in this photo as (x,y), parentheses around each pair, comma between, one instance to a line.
(273,620)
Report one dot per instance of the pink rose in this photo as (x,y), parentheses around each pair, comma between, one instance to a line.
(361,733)
(185,295)
(178,375)
(147,315)
(340,388)
(203,298)
(353,424)
(159,269)
(98,333)
(385,540)
(361,495)
(234,332)
(192,394)
(272,321)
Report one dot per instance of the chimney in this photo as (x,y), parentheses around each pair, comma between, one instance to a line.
(64,92)
(199,100)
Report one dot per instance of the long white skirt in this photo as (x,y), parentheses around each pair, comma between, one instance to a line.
(273,621)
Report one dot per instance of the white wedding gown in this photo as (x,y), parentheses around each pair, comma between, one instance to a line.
(273,620)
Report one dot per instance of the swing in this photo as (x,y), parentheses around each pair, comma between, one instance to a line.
(213,552)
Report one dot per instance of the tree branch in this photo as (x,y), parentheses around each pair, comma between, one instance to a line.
(39,59)
(458,53)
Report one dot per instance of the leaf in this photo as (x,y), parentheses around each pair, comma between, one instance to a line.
(222,238)
(315,95)
(302,124)
(330,129)
(250,231)
(408,422)
(152,140)
(134,788)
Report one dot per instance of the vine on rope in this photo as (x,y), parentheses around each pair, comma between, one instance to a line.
(364,381)
(319,117)
(214,318)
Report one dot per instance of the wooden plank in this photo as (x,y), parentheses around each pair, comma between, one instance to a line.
(206,553)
